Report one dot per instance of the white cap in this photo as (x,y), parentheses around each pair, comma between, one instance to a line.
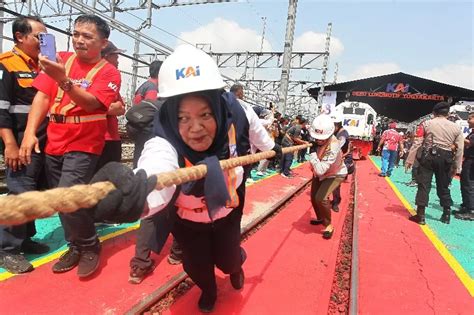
(187,70)
(322,127)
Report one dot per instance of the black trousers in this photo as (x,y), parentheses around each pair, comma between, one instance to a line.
(302,154)
(336,196)
(440,165)
(112,153)
(207,245)
(467,184)
(67,170)
(151,236)
(29,178)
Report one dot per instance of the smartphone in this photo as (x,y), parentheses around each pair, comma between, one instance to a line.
(47,45)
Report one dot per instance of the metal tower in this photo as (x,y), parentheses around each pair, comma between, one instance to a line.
(288,48)
(325,67)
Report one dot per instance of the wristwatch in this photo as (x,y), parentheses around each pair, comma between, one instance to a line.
(66,85)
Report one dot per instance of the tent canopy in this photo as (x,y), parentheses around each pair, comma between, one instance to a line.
(398,96)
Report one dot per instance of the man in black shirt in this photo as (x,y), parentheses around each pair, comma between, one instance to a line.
(467,176)
(18,68)
(292,137)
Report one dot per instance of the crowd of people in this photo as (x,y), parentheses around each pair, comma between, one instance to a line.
(438,148)
(59,117)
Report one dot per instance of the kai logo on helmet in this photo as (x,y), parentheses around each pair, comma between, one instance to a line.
(318,131)
(187,72)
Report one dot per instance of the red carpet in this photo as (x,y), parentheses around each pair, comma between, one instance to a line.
(108,292)
(400,270)
(289,269)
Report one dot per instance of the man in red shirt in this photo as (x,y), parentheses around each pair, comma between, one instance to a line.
(149,89)
(77,92)
(392,143)
(113,144)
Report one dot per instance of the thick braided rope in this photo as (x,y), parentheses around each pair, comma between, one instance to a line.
(18,209)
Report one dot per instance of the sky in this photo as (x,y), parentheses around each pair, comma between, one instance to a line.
(430,39)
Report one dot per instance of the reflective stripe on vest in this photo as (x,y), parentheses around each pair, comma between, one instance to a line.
(230,175)
(64,109)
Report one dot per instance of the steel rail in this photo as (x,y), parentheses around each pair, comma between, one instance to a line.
(354,288)
(161,292)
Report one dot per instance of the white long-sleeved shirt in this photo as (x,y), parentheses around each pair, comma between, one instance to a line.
(256,130)
(331,164)
(159,156)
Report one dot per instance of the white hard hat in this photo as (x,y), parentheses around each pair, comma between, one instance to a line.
(187,70)
(322,127)
(336,116)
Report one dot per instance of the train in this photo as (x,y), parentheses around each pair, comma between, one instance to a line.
(461,112)
(360,120)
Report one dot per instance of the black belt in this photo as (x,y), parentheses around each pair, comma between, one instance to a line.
(57,118)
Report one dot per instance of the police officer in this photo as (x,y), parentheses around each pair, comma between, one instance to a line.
(442,145)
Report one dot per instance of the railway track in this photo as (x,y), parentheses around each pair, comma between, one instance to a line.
(343,292)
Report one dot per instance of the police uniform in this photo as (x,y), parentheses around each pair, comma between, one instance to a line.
(17,71)
(442,145)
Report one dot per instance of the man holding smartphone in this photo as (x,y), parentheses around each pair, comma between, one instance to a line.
(18,68)
(77,92)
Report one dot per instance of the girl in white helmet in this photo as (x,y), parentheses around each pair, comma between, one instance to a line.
(328,171)
(198,123)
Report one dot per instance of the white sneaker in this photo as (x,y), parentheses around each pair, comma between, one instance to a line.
(260,173)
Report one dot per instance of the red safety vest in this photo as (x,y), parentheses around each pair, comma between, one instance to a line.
(61,110)
(229,175)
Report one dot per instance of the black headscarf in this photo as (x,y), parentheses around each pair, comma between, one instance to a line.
(213,186)
(166,126)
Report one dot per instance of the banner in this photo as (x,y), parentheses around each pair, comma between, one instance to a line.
(329,102)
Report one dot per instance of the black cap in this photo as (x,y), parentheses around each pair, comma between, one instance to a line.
(111,49)
(441,107)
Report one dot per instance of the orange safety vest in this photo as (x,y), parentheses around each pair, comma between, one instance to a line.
(62,110)
(230,176)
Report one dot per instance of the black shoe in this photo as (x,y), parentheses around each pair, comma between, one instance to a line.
(31,247)
(328,234)
(315,222)
(335,208)
(382,175)
(417,219)
(174,259)
(460,211)
(15,263)
(445,217)
(206,302)
(88,263)
(237,279)
(468,216)
(137,274)
(67,261)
